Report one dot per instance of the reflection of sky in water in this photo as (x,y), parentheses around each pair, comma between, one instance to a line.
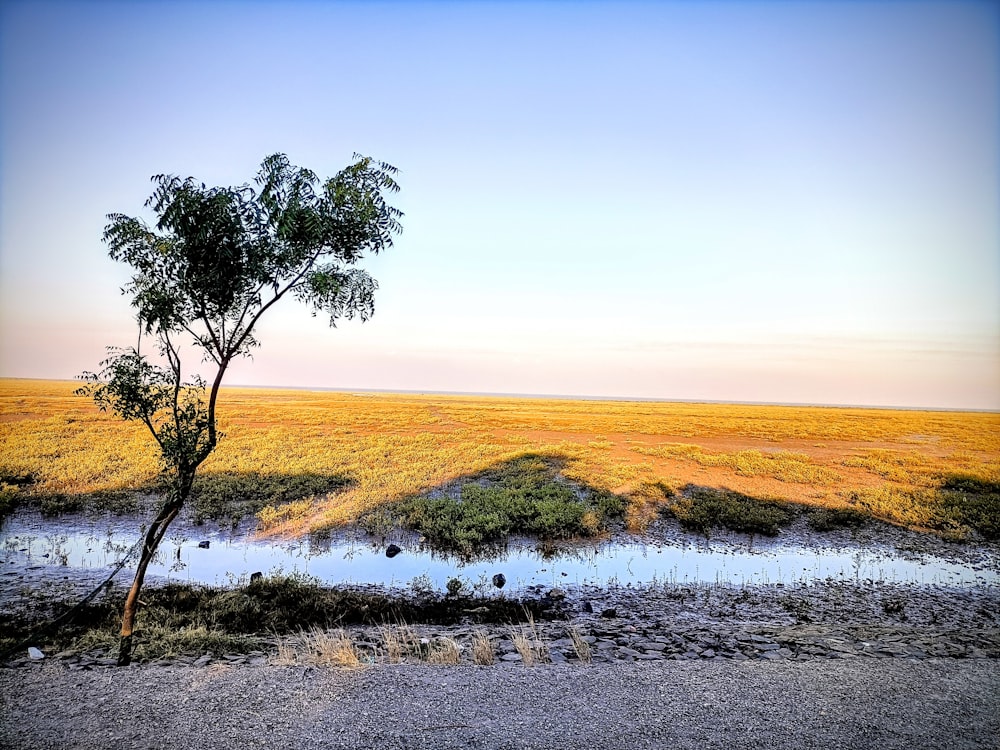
(97,544)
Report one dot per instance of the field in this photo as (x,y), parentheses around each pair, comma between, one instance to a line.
(305,461)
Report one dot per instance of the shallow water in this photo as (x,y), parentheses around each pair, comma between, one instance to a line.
(94,544)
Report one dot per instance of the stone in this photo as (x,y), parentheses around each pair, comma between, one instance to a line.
(254,577)
(609,613)
(587,607)
(204,544)
(499,580)
(35,654)
(201,661)
(392,550)
(511,657)
(556,595)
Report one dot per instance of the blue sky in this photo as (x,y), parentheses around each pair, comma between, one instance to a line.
(789,202)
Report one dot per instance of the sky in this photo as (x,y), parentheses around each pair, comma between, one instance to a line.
(788,202)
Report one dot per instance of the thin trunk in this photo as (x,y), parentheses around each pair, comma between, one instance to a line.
(154,536)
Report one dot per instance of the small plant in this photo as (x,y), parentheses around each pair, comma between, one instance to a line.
(894,605)
(523,646)
(482,649)
(454,586)
(399,641)
(422,585)
(444,651)
(331,649)
(286,655)
(528,643)
(581,646)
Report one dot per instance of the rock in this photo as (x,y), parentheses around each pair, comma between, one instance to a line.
(392,550)
(254,577)
(609,613)
(587,607)
(34,654)
(201,661)
(511,657)
(556,595)
(499,580)
(204,544)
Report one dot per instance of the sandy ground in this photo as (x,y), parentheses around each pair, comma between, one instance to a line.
(940,703)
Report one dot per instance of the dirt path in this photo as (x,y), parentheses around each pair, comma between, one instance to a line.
(938,703)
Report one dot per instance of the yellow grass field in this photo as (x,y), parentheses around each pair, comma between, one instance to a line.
(320,459)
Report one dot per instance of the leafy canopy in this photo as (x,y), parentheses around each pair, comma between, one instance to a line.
(216,260)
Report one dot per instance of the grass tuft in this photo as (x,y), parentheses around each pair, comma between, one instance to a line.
(482,649)
(444,651)
(581,646)
(334,649)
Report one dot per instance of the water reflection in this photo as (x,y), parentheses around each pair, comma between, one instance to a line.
(94,544)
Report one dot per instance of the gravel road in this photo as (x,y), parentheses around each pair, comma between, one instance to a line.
(854,703)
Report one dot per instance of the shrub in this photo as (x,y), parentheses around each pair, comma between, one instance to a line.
(703,509)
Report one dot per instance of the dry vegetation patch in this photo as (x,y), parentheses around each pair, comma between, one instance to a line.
(304,461)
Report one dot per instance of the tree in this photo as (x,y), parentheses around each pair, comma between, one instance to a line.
(216,261)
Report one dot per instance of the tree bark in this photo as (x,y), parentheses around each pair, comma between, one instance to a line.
(152,542)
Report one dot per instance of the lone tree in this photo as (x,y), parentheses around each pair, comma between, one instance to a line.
(216,261)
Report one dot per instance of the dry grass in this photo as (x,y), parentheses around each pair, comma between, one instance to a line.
(444,651)
(399,642)
(522,645)
(305,461)
(528,643)
(482,649)
(334,649)
(286,656)
(581,647)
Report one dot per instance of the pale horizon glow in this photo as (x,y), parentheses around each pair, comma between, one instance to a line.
(751,202)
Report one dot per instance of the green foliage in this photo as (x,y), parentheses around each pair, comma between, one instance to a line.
(827,519)
(961,504)
(11,484)
(702,509)
(974,501)
(524,496)
(217,259)
(235,495)
(176,414)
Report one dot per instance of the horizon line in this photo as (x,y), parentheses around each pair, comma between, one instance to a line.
(572,397)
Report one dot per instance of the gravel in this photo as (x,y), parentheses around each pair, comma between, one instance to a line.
(935,703)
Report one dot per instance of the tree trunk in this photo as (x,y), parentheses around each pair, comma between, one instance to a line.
(153,538)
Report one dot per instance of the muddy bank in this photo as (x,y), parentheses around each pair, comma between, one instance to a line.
(832,620)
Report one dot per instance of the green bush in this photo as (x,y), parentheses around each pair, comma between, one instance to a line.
(524,496)
(702,509)
(827,519)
